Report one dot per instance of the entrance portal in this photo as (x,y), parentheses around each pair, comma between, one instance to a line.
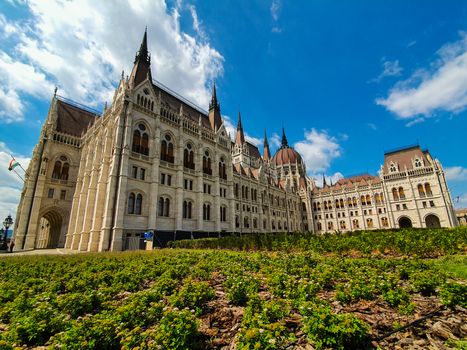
(50,226)
(405,222)
(432,221)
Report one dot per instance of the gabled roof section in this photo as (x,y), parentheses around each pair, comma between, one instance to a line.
(72,118)
(253,150)
(404,158)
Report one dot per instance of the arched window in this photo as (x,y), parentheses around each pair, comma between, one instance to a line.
(392,168)
(163,207)
(341,201)
(428,189)
(140,140)
(223,212)
(222,169)
(382,197)
(384,222)
(246,222)
(206,212)
(61,169)
(57,170)
(207,163)
(319,226)
(349,202)
(377,198)
(236,190)
(325,205)
(369,223)
(395,194)
(401,193)
(167,207)
(255,223)
(354,201)
(342,225)
(368,199)
(187,208)
(167,149)
(355,224)
(189,157)
(138,204)
(273,225)
(421,191)
(131,203)
(362,200)
(237,221)
(330,226)
(314,206)
(264,224)
(417,163)
(160,207)
(337,203)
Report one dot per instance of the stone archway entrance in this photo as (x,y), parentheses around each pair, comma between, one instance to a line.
(405,222)
(50,227)
(432,221)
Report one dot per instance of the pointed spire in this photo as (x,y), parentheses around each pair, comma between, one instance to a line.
(284,139)
(240,138)
(266,152)
(215,110)
(143,49)
(324,182)
(142,65)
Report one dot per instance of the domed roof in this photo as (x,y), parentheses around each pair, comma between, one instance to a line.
(286,155)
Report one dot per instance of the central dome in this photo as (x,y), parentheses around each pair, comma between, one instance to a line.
(286,155)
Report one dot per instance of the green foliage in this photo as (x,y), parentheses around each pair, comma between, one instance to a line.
(263,326)
(426,282)
(327,329)
(418,242)
(193,295)
(240,289)
(453,294)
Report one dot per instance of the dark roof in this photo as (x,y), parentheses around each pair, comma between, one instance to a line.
(175,102)
(253,150)
(73,119)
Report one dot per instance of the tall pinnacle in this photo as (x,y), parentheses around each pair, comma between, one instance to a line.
(142,65)
(284,139)
(214,111)
(240,138)
(324,181)
(266,152)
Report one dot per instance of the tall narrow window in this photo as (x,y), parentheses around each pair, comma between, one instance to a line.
(140,140)
(160,208)
(131,203)
(138,204)
(167,207)
(421,191)
(428,189)
(401,193)
(207,163)
(167,149)
(395,194)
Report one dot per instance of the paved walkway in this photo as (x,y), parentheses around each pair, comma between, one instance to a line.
(57,251)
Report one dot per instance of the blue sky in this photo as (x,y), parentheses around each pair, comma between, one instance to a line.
(347,79)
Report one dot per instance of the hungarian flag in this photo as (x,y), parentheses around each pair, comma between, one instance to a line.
(13,164)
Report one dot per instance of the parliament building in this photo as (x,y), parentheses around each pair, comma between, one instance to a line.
(153,161)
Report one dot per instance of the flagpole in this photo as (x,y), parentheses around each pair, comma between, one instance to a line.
(18,175)
(17,162)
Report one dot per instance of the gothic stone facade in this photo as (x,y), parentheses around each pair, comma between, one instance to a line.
(155,162)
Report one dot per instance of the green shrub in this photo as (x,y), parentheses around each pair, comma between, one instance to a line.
(326,329)
(453,294)
(193,295)
(240,289)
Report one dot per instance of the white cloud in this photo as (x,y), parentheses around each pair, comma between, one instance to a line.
(10,183)
(83,45)
(441,87)
(197,24)
(390,69)
(275,140)
(275,9)
(460,201)
(455,173)
(318,150)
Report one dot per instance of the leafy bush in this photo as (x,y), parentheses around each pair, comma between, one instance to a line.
(453,294)
(326,329)
(193,295)
(240,289)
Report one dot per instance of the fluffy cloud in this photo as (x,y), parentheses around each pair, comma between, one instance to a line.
(441,87)
(318,150)
(82,46)
(455,173)
(274,140)
(10,183)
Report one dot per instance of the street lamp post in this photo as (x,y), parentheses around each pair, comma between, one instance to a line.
(7,223)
